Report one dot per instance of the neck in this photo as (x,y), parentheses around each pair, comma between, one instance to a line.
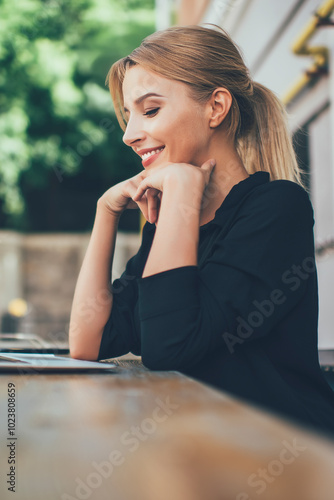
(229,170)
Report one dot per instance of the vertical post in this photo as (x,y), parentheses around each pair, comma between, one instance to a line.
(330,45)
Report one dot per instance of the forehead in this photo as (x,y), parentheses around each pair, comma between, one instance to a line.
(139,81)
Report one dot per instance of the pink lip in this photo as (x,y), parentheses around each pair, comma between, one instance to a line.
(151,159)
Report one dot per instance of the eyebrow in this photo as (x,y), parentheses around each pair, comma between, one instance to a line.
(141,98)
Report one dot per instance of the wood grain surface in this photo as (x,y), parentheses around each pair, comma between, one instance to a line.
(141,435)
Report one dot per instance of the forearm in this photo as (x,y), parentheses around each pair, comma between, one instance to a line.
(92,301)
(176,238)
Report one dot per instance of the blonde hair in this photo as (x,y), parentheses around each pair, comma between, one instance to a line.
(204,59)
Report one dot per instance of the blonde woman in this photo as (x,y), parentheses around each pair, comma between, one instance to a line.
(224,285)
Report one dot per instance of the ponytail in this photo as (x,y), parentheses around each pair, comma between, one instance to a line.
(266,145)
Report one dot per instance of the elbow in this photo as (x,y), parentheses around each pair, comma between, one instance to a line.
(77,353)
(85,347)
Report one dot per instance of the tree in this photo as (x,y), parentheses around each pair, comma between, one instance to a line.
(61,145)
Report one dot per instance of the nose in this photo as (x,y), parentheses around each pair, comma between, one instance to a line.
(133,132)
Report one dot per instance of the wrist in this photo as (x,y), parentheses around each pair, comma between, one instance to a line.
(188,192)
(181,203)
(104,209)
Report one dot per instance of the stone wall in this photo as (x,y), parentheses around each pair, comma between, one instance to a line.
(43,270)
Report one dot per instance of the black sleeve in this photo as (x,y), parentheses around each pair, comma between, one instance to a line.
(120,334)
(253,277)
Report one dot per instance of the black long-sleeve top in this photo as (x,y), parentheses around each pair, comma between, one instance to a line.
(245,319)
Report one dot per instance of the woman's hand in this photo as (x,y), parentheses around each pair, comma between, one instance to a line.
(152,185)
(119,197)
(145,189)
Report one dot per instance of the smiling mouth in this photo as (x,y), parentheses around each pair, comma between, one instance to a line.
(152,153)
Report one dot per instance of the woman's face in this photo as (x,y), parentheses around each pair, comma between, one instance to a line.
(172,121)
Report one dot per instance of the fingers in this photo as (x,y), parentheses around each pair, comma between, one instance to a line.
(153,202)
(148,201)
(209,165)
(132,205)
(143,186)
(149,204)
(130,191)
(152,193)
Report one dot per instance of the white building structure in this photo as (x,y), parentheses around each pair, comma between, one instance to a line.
(265,31)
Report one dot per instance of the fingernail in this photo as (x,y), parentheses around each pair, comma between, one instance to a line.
(212,163)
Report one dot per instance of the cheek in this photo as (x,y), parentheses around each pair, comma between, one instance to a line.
(183,134)
(191,128)
(190,138)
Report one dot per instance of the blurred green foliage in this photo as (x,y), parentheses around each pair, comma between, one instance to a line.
(60,144)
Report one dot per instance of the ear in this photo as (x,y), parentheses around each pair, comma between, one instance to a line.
(219,105)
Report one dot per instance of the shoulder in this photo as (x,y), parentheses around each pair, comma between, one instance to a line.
(280,198)
(273,217)
(288,188)
(281,188)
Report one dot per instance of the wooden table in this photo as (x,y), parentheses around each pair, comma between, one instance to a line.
(140,435)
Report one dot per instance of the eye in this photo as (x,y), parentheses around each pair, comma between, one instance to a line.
(151,112)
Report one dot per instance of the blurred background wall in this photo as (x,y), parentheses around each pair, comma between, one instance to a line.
(61,146)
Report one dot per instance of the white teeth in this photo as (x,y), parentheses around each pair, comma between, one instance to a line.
(147,155)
